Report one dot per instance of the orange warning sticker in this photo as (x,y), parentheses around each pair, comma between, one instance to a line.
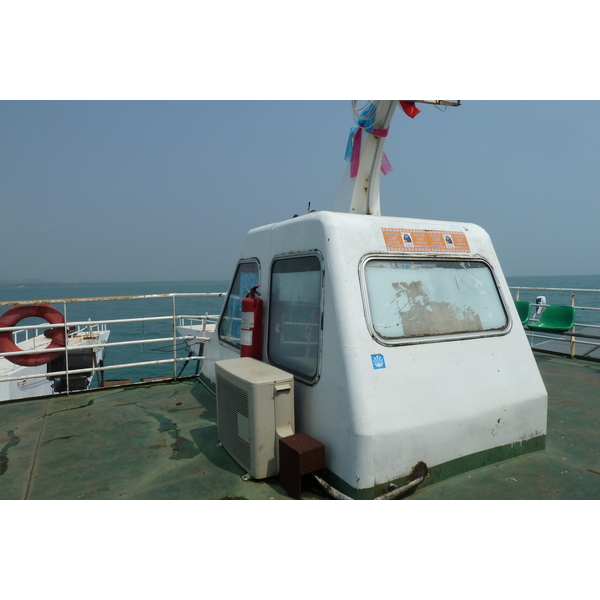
(424,240)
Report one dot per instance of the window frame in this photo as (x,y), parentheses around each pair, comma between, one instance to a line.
(433,338)
(227,298)
(298,375)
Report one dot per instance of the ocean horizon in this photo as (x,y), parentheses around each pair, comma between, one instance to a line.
(43,282)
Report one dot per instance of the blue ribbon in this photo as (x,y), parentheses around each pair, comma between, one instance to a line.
(365,121)
(348,154)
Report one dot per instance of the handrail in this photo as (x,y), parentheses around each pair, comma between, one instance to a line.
(111,298)
(576,337)
(550,289)
(105,368)
(105,322)
(103,345)
(97,327)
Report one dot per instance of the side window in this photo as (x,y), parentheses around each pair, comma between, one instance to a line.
(246,277)
(295,315)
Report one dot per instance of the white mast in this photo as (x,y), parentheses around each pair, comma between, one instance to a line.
(359,190)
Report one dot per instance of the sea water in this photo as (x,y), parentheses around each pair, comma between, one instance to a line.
(142,352)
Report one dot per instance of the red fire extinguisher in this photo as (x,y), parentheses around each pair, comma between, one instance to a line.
(252,325)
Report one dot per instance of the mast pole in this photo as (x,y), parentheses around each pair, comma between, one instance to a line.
(365,195)
(359,191)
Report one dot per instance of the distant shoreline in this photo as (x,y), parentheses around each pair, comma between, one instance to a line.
(68,283)
(36,283)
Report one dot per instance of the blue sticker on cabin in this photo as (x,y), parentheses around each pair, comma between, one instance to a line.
(378,361)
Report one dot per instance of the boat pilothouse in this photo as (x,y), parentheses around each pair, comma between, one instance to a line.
(401,335)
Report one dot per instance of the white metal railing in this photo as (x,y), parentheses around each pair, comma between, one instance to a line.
(562,296)
(23,333)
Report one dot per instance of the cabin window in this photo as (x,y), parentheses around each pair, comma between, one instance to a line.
(413,298)
(295,315)
(246,277)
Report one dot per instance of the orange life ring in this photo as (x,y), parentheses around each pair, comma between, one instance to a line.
(17,313)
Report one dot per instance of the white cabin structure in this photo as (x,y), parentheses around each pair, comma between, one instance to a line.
(402,351)
(402,337)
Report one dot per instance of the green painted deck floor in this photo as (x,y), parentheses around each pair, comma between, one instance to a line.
(159,441)
(150,441)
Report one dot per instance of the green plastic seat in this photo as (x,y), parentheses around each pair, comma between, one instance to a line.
(555,319)
(523,309)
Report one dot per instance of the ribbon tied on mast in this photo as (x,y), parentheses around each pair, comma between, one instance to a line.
(365,122)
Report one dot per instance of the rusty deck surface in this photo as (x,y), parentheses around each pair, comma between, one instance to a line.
(159,441)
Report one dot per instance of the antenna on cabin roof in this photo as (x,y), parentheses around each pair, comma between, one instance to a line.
(359,190)
(439,102)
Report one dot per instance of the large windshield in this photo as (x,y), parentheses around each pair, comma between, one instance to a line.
(412,298)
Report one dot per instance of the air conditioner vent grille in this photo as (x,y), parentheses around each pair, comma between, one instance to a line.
(232,400)
(255,408)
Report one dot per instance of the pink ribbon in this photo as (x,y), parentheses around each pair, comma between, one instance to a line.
(386,167)
(380,132)
(355,160)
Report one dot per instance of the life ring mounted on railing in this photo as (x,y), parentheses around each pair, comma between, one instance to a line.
(17,313)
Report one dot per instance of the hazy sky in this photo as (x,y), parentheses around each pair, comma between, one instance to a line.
(166,190)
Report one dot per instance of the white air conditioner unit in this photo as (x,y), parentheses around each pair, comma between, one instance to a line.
(255,407)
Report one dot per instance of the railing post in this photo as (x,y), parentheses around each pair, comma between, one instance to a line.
(174,340)
(66,347)
(573,328)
